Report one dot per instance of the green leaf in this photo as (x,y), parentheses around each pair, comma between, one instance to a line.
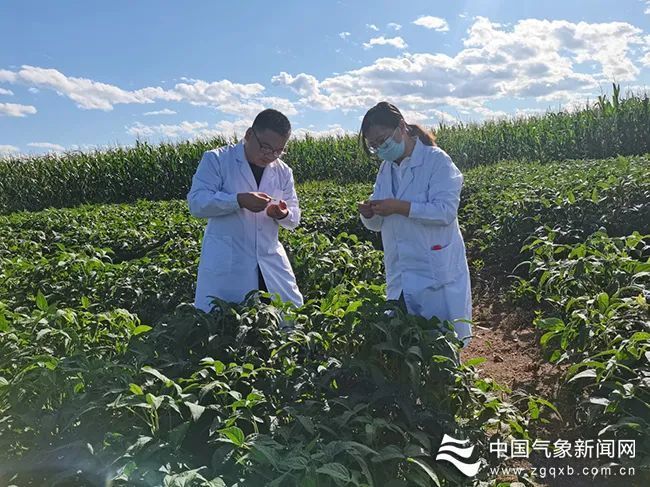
(424,466)
(177,435)
(150,370)
(219,367)
(475,361)
(533,408)
(547,404)
(234,435)
(603,301)
(412,450)
(4,324)
(136,389)
(585,374)
(216,482)
(141,329)
(640,336)
(601,401)
(267,453)
(390,452)
(41,302)
(196,410)
(154,401)
(335,470)
(307,423)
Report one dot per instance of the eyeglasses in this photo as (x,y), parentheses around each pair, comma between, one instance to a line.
(267,150)
(373,148)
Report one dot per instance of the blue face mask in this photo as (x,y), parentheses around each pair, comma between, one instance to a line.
(391,150)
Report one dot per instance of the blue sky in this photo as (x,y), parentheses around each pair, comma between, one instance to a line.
(78,75)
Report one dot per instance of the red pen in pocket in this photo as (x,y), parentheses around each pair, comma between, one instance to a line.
(436,247)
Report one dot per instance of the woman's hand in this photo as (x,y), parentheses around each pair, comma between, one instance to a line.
(390,206)
(365,208)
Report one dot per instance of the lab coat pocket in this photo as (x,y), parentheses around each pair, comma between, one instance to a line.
(216,254)
(444,264)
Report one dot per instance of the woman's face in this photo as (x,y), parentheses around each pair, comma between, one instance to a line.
(377,135)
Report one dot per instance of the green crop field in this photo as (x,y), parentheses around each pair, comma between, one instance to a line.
(109,376)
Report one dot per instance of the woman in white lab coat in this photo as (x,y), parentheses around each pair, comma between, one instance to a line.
(246,193)
(414,205)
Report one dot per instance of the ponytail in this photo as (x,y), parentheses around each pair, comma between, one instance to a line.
(427,137)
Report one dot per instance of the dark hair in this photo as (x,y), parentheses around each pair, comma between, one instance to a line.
(271,119)
(388,115)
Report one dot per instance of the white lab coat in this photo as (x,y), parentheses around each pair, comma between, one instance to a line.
(237,240)
(434,282)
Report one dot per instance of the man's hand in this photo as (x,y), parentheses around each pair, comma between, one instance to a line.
(390,207)
(254,202)
(365,208)
(277,211)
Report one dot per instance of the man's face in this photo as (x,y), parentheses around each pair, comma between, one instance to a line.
(264,146)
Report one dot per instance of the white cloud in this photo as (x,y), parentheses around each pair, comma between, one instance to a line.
(302,84)
(87,147)
(645,60)
(216,93)
(372,27)
(562,41)
(281,104)
(166,111)
(396,42)
(488,113)
(435,23)
(47,145)
(568,100)
(538,59)
(428,117)
(171,131)
(228,128)
(229,97)
(7,76)
(190,130)
(395,26)
(529,112)
(344,35)
(33,90)
(307,87)
(6,92)
(88,94)
(647,10)
(225,128)
(8,150)
(16,110)
(333,130)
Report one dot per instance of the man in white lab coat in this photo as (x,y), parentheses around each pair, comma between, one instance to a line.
(246,192)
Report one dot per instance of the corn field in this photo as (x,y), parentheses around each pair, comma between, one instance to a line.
(610,127)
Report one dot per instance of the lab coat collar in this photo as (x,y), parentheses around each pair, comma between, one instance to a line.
(246,171)
(244,168)
(417,158)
